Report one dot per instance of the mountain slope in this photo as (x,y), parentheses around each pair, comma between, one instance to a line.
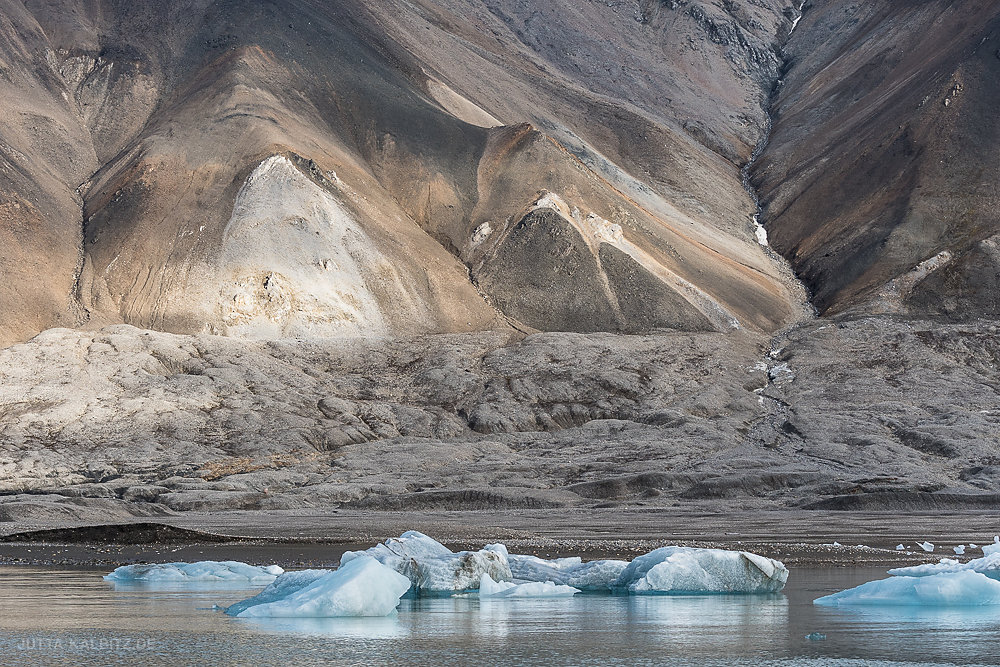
(425,133)
(879,181)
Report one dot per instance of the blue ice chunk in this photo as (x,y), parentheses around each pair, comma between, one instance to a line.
(952,589)
(361,587)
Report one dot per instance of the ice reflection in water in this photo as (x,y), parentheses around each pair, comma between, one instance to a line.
(73,617)
(388,627)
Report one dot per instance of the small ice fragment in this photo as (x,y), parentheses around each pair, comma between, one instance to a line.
(815,636)
(973,546)
(992,548)
(362,587)
(926,546)
(206,570)
(964,588)
(900,547)
(960,549)
(532,589)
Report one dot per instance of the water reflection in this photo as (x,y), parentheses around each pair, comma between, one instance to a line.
(938,618)
(44,611)
(184,586)
(731,611)
(387,627)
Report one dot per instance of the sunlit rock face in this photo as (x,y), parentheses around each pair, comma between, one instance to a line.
(366,169)
(295,263)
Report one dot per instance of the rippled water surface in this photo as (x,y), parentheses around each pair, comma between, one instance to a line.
(52,616)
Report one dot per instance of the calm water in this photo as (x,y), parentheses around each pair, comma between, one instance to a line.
(73,617)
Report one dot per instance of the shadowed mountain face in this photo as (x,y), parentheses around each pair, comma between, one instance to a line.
(880,180)
(354,168)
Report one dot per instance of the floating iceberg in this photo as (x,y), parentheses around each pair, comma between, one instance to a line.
(926,546)
(207,570)
(988,565)
(282,587)
(533,589)
(952,589)
(433,568)
(595,575)
(361,587)
(688,570)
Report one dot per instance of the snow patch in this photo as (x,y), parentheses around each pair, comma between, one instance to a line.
(760,232)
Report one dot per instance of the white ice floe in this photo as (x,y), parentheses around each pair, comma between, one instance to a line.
(361,587)
(964,588)
(926,546)
(959,550)
(533,589)
(208,570)
(988,565)
(687,570)
(595,575)
(432,568)
(900,547)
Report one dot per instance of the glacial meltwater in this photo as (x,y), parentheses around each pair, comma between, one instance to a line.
(51,616)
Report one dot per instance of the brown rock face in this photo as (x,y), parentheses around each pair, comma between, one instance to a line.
(364,168)
(879,181)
